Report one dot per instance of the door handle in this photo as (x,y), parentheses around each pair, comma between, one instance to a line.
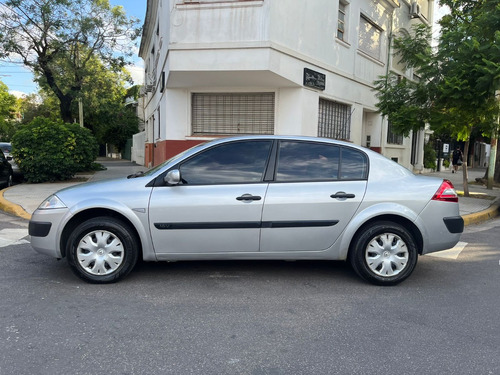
(249,197)
(341,194)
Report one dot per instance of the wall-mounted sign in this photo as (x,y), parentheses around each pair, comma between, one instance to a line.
(313,79)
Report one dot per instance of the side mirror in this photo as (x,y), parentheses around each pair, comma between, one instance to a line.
(173,177)
(9,158)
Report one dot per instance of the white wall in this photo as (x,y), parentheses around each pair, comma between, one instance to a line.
(265,45)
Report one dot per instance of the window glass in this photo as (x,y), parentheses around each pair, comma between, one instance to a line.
(393,137)
(341,24)
(369,37)
(237,162)
(354,165)
(303,161)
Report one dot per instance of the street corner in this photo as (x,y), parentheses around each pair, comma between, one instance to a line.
(12,208)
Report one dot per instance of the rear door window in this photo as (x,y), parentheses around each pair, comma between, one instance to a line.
(300,161)
(306,161)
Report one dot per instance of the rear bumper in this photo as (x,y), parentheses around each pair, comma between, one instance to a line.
(442,226)
(455,224)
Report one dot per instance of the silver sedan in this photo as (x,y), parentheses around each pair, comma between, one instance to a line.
(254,197)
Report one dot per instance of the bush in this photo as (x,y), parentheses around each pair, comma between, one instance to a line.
(429,156)
(48,150)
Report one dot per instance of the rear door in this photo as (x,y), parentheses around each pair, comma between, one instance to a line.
(317,189)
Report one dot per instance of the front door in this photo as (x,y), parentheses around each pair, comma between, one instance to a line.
(218,206)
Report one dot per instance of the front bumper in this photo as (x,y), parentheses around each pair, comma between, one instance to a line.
(44,228)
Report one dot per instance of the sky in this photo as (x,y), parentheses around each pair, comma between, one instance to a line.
(20,80)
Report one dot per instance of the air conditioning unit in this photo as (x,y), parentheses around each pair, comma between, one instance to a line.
(414,10)
(149,88)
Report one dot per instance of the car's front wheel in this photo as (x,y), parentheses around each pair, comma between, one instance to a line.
(102,250)
(384,253)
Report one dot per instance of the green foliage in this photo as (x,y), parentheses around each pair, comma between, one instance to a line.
(7,110)
(57,39)
(455,87)
(38,105)
(86,148)
(47,150)
(429,156)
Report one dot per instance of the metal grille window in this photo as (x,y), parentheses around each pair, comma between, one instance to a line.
(393,138)
(233,113)
(334,120)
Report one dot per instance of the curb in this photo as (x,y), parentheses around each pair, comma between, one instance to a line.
(479,217)
(12,208)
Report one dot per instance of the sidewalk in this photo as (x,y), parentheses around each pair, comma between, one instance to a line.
(23,199)
(482,205)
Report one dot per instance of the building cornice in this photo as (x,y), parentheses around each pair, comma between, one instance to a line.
(390,4)
(149,25)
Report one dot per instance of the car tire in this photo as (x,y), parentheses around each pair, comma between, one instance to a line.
(383,253)
(9,181)
(102,250)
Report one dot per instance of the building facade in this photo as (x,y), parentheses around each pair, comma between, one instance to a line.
(286,67)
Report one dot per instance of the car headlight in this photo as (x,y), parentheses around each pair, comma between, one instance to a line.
(51,202)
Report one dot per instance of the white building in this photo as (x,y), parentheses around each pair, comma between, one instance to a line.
(296,67)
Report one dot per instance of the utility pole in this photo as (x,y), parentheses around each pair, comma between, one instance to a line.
(80,111)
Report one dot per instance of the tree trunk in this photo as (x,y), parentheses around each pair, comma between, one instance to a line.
(65,108)
(464,168)
(497,168)
(65,100)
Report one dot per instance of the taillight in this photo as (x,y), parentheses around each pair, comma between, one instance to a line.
(446,192)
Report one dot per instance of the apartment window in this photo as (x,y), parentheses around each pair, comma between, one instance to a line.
(370,36)
(334,120)
(232,113)
(392,137)
(341,24)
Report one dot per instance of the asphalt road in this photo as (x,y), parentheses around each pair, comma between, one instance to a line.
(251,317)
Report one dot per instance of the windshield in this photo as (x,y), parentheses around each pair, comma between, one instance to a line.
(172,159)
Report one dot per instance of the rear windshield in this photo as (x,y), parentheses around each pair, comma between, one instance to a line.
(5,147)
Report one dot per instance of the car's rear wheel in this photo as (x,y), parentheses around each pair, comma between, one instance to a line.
(384,253)
(102,250)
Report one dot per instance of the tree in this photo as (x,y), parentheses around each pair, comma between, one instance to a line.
(456,82)
(58,38)
(103,94)
(7,110)
(38,105)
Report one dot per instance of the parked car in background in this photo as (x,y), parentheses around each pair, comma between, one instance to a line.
(5,172)
(254,197)
(6,148)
